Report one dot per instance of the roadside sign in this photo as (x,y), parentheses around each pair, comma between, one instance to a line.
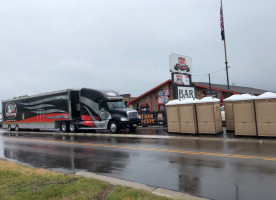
(181,79)
(180,63)
(153,118)
(185,92)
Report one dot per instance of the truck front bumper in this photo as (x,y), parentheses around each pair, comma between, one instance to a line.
(129,124)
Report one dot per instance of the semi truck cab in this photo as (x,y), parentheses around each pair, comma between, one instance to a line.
(102,110)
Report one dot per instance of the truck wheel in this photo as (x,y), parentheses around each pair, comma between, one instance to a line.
(9,128)
(113,127)
(72,127)
(64,127)
(132,129)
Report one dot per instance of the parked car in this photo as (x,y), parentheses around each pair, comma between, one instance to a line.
(222,114)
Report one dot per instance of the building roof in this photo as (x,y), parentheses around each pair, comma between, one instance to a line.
(150,91)
(232,88)
(219,87)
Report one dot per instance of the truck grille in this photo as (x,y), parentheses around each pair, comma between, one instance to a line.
(132,114)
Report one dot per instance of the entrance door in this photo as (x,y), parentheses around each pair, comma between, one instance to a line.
(40,119)
(75,105)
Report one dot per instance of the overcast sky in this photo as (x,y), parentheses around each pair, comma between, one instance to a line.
(49,45)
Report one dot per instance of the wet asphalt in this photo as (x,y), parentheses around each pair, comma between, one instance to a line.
(215,167)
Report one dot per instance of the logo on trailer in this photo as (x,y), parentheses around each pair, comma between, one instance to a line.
(11,110)
(181,65)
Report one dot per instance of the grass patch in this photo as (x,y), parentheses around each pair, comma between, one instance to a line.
(19,182)
(126,193)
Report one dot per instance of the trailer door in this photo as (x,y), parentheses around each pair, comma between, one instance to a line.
(40,119)
(75,105)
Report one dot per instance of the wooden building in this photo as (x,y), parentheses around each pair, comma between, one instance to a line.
(155,99)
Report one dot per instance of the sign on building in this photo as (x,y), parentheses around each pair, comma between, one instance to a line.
(185,92)
(163,96)
(153,118)
(181,72)
(181,79)
(180,63)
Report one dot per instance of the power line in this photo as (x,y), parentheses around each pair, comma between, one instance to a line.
(217,71)
(201,75)
(205,75)
(210,73)
(202,78)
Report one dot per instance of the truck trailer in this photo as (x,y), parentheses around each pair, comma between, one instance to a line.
(70,110)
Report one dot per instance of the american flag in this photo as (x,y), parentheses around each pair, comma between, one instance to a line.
(221,22)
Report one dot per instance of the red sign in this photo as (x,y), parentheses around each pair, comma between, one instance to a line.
(181,61)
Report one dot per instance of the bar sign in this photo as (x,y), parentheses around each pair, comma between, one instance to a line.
(186,92)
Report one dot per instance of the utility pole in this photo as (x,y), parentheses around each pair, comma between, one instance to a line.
(210,87)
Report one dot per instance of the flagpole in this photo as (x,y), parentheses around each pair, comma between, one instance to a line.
(224,39)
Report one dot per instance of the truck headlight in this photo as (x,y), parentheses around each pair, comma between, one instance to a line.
(124,119)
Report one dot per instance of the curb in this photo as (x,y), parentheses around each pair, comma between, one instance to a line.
(139,186)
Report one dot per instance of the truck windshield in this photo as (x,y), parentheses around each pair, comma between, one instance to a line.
(116,104)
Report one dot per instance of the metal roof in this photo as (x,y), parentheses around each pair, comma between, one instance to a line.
(220,87)
(232,88)
(150,91)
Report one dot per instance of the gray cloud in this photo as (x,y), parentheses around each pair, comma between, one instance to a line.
(124,45)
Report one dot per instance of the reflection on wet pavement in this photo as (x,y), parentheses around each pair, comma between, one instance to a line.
(206,176)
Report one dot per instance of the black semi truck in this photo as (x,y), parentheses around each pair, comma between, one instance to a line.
(70,110)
